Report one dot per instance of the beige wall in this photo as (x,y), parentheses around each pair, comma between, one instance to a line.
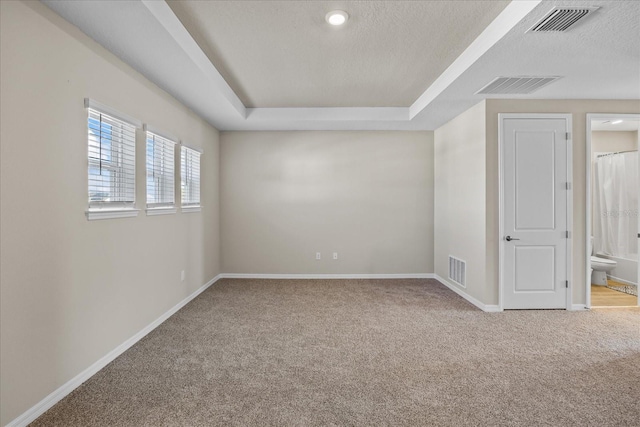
(609,142)
(73,290)
(466,157)
(366,195)
(460,199)
(579,110)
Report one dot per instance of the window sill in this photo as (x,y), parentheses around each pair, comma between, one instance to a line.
(111,213)
(161,211)
(188,209)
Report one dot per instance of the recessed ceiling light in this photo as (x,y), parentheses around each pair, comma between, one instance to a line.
(615,122)
(337,17)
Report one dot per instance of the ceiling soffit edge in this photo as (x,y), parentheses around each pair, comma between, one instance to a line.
(165,16)
(506,20)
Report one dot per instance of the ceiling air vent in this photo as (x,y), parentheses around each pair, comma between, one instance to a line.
(561,18)
(516,85)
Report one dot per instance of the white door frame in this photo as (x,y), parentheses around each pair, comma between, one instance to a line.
(590,117)
(501,242)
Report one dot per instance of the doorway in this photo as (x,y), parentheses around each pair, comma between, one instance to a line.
(535,211)
(612,224)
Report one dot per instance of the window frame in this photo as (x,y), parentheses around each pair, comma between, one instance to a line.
(187,155)
(162,207)
(111,209)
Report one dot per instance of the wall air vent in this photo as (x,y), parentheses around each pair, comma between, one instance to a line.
(516,85)
(561,18)
(458,271)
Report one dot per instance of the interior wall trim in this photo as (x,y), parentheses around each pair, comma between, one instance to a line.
(328,276)
(45,404)
(484,307)
(489,308)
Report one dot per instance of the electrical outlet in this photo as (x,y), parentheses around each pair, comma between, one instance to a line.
(318,256)
(335,255)
(182,276)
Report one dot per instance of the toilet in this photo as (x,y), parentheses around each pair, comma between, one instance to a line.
(600,267)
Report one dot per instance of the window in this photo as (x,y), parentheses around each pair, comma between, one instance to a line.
(190,179)
(111,149)
(160,174)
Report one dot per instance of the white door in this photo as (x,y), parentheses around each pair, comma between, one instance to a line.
(535,206)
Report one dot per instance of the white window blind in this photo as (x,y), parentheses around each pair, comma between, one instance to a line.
(190,176)
(112,159)
(160,171)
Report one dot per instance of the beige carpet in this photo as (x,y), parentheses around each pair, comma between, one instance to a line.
(365,353)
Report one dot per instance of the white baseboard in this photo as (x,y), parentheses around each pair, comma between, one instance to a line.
(578,307)
(41,407)
(45,404)
(625,282)
(328,276)
(482,306)
(472,300)
(491,308)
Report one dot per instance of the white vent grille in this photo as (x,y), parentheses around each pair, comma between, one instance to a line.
(560,19)
(516,85)
(458,270)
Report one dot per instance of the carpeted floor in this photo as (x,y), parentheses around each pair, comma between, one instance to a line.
(365,353)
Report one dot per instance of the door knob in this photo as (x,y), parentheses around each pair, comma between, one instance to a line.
(509,238)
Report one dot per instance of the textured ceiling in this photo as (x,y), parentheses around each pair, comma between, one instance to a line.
(599,58)
(284,54)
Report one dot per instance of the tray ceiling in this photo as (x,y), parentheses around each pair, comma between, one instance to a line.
(283,53)
(283,68)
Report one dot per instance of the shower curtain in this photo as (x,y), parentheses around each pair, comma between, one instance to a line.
(615,201)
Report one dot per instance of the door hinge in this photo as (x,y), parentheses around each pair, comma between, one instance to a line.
(568,186)
(566,283)
(567,234)
(568,134)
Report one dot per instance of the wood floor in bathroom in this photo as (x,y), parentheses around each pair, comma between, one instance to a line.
(602,296)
